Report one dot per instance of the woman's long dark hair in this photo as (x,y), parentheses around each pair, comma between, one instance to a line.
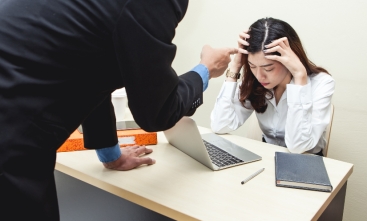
(263,32)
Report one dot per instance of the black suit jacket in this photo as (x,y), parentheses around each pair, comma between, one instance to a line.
(61,59)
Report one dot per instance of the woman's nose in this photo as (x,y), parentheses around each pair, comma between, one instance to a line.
(260,74)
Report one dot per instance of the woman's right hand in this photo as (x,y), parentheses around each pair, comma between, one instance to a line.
(238,60)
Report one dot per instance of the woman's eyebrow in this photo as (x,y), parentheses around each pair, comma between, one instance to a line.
(265,65)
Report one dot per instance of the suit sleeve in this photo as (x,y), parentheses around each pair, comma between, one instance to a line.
(99,128)
(158,98)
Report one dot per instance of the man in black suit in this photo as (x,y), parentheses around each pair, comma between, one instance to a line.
(59,62)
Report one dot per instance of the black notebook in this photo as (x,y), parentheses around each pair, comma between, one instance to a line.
(301,171)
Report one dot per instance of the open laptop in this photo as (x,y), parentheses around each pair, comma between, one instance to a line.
(209,149)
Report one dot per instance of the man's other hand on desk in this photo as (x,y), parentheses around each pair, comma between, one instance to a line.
(128,157)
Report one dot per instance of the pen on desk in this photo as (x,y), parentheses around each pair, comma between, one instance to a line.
(252,176)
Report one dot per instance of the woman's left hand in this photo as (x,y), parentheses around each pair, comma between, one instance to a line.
(288,58)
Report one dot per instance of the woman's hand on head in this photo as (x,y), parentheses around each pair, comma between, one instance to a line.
(288,58)
(238,60)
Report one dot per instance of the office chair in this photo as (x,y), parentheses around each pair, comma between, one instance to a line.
(254,132)
(328,131)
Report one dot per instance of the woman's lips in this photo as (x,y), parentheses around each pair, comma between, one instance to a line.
(264,84)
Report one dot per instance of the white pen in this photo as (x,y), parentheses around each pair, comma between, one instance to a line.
(252,176)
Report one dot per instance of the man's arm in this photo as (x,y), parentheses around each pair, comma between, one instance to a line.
(99,128)
(128,158)
(99,132)
(158,98)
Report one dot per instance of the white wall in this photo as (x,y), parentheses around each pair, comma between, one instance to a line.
(334,33)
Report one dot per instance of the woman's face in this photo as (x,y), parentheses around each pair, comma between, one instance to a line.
(268,72)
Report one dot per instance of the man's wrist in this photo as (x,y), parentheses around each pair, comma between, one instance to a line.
(203,71)
(109,154)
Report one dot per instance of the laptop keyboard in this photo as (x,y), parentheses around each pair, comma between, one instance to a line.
(220,157)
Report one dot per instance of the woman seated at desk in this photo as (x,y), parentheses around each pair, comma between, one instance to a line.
(290,95)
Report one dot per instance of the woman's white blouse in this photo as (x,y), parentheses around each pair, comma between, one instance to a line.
(298,122)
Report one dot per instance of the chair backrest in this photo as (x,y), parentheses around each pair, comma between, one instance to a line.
(328,131)
(254,132)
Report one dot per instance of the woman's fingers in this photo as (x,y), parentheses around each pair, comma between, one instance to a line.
(278,42)
(243,51)
(285,41)
(244,35)
(273,57)
(275,49)
(243,42)
(283,45)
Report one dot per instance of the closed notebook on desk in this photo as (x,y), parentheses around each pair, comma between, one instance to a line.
(301,171)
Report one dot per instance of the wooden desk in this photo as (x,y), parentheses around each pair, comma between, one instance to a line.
(179,187)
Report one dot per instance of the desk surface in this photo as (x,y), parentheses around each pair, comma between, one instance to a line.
(181,188)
